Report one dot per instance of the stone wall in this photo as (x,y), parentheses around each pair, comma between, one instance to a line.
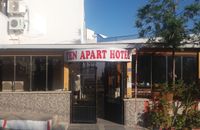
(37,103)
(134,110)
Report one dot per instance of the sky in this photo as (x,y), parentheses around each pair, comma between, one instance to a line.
(114,17)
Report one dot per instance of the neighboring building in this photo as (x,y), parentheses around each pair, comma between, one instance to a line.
(51,64)
(121,39)
(93,37)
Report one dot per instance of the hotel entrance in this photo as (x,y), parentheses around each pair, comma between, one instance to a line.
(98,80)
(97,91)
(83,81)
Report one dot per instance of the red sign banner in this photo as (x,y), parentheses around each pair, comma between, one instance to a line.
(111,54)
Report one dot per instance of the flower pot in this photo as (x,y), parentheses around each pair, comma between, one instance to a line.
(156,95)
(168,96)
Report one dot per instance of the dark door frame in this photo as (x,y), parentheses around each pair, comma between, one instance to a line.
(114,108)
(84,111)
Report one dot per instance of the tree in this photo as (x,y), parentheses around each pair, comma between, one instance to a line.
(166,26)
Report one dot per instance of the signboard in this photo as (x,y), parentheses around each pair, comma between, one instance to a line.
(111,54)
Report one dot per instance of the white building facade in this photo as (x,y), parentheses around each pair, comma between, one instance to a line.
(41,21)
(50,64)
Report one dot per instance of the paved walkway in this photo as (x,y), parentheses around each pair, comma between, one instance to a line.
(102,125)
(20,120)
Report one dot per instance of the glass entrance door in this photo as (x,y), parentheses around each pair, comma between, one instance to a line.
(97,91)
(115,80)
(84,93)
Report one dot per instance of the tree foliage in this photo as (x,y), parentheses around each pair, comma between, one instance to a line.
(164,22)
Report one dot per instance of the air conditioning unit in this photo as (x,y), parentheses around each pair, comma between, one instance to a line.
(16,23)
(15,7)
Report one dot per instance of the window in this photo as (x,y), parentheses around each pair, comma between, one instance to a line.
(158,69)
(55,72)
(31,73)
(189,69)
(186,68)
(144,70)
(23,72)
(39,73)
(6,72)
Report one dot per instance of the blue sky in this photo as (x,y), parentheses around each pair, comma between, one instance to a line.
(114,17)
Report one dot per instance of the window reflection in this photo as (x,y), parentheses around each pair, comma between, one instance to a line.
(144,70)
(31,73)
(7,71)
(114,79)
(39,73)
(83,82)
(55,70)
(161,69)
(189,69)
(23,72)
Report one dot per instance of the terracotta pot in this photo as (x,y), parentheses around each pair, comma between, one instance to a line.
(156,95)
(168,96)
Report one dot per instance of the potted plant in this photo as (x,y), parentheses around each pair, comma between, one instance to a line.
(193,120)
(156,119)
(156,93)
(179,123)
(167,92)
(175,107)
(185,97)
(159,117)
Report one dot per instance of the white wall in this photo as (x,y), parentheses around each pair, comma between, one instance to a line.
(50,22)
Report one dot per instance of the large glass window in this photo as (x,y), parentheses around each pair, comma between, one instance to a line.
(31,73)
(22,73)
(6,72)
(39,73)
(178,68)
(158,69)
(55,72)
(189,69)
(144,70)
(186,68)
